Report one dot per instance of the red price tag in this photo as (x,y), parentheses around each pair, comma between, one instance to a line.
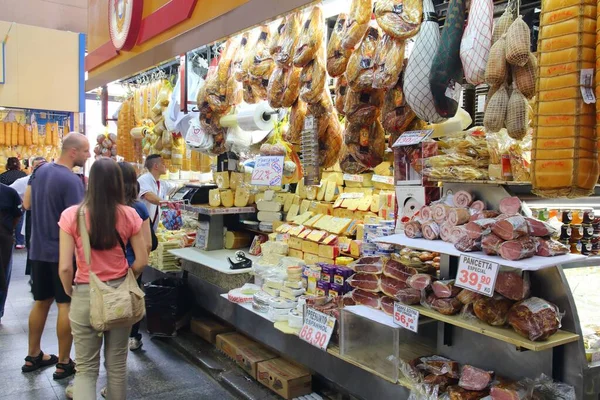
(317,328)
(477,275)
(406,317)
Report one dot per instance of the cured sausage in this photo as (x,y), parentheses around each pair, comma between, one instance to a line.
(448,306)
(431,230)
(387,305)
(511,228)
(458,216)
(517,249)
(445,289)
(440,212)
(408,296)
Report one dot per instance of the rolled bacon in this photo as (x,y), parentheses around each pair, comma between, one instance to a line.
(440,212)
(457,232)
(462,199)
(458,216)
(446,231)
(510,205)
(413,230)
(478,205)
(431,230)
(483,214)
(426,214)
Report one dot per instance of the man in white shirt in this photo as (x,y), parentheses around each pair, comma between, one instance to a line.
(152,192)
(20,185)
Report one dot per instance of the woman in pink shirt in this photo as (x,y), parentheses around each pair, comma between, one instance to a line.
(110,224)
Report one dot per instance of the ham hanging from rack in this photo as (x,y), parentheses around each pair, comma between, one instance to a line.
(477,40)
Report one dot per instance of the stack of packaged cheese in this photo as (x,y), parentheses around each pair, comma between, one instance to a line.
(564,155)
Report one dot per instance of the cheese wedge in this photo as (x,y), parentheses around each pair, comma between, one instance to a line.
(304,206)
(222,179)
(288,202)
(364,204)
(301,189)
(235,180)
(303,217)
(321,191)
(242,197)
(311,192)
(330,191)
(269,216)
(292,213)
(214,198)
(227,198)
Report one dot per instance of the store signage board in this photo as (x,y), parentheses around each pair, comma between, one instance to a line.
(268,171)
(317,328)
(477,275)
(411,138)
(406,317)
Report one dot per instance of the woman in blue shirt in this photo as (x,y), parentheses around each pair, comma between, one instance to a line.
(132,189)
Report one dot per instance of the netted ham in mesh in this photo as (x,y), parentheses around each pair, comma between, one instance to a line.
(495,113)
(517,116)
(518,43)
(524,77)
(496,70)
(477,40)
(502,25)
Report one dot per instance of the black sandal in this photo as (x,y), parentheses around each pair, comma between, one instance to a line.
(68,370)
(38,362)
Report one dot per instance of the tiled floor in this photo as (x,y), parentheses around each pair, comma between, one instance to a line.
(157,371)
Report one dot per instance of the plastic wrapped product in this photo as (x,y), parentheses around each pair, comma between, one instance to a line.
(337,56)
(311,38)
(468,297)
(492,310)
(391,286)
(517,115)
(458,393)
(524,77)
(510,205)
(448,306)
(396,114)
(419,281)
(467,244)
(518,249)
(368,265)
(389,61)
(496,70)
(472,378)
(446,231)
(540,228)
(513,285)
(387,305)
(312,80)
(456,233)
(413,230)
(477,40)
(274,42)
(399,18)
(534,318)
(288,40)
(292,87)
(262,63)
(490,243)
(370,148)
(431,230)
(349,164)
(416,78)
(511,228)
(366,298)
(361,64)
(276,88)
(237,69)
(446,70)
(341,90)
(462,199)
(458,216)
(363,107)
(408,296)
(494,117)
(330,143)
(440,212)
(550,247)
(323,108)
(297,116)
(518,42)
(397,270)
(445,289)
(358,23)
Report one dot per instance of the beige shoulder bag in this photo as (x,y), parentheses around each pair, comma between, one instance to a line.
(111,307)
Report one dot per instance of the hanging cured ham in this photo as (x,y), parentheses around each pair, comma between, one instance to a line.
(337,56)
(396,114)
(358,23)
(446,70)
(292,87)
(399,18)
(311,38)
(330,142)
(286,47)
(388,62)
(416,78)
(261,64)
(361,65)
(366,143)
(477,40)
(341,88)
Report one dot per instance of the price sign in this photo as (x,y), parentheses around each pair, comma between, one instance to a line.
(309,123)
(477,275)
(383,179)
(352,195)
(317,328)
(354,178)
(406,317)
(268,171)
(412,137)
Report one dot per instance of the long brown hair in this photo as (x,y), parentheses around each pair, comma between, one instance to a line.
(130,183)
(104,195)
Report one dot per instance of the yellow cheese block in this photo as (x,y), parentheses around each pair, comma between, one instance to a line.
(339,225)
(327,261)
(304,206)
(360,231)
(330,191)
(277,224)
(563,14)
(227,198)
(559,82)
(565,107)
(559,94)
(301,189)
(222,179)
(283,228)
(562,4)
(259,196)
(295,243)
(351,229)
(323,222)
(296,199)
(338,202)
(336,177)
(355,247)
(324,208)
(570,55)
(297,230)
(296,253)
(337,212)
(327,251)
(561,154)
(311,192)
(321,191)
(313,220)
(214,198)
(311,259)
(344,244)
(289,198)
(367,180)
(317,235)
(280,197)
(303,217)
(330,240)
(364,204)
(565,144)
(566,68)
(235,180)
(571,26)
(567,41)
(557,174)
(565,120)
(292,213)
(242,196)
(343,260)
(310,247)
(564,133)
(352,204)
(304,234)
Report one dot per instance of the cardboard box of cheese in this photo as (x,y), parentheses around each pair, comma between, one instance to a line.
(246,352)
(285,378)
(208,328)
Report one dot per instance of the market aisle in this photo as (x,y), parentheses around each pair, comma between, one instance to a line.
(153,372)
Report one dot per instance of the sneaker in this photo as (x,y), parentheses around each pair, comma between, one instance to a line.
(135,343)
(20,246)
(69,390)
(103,392)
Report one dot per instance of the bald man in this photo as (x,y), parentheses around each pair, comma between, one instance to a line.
(53,187)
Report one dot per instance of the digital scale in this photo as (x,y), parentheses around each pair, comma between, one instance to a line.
(194,194)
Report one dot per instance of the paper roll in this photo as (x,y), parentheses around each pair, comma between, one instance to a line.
(252,117)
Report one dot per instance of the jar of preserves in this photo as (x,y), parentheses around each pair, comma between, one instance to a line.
(588,215)
(543,214)
(588,231)
(565,232)
(554,213)
(567,216)
(595,244)
(586,247)
(576,232)
(577,217)
(575,247)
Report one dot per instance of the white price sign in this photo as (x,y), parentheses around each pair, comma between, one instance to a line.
(477,275)
(317,328)
(268,171)
(309,123)
(352,195)
(383,179)
(412,137)
(354,178)
(406,317)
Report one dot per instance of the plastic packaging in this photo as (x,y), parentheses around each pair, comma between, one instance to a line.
(313,79)
(296,122)
(535,318)
(366,143)
(286,47)
(341,89)
(399,18)
(311,38)
(337,56)
(363,107)
(261,63)
(389,59)
(361,66)
(292,87)
(492,310)
(358,23)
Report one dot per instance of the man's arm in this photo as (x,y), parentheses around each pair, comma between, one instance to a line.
(151,198)
(27,198)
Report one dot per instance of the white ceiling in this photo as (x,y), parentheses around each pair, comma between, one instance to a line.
(66,15)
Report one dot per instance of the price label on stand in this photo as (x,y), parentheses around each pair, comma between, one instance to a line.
(268,171)
(383,179)
(406,317)
(353,178)
(317,328)
(411,138)
(477,275)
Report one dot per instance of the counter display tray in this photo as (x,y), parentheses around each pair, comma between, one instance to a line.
(213,259)
(529,264)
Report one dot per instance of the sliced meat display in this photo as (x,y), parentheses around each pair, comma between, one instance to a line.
(426,214)
(365,298)
(441,381)
(534,318)
(457,232)
(512,285)
(438,365)
(391,286)
(478,205)
(366,282)
(509,391)
(514,250)
(368,265)
(446,232)
(458,393)
(492,310)
(467,244)
(409,296)
(449,306)
(413,230)
(472,378)
(462,199)
(397,270)
(445,289)
(490,244)
(539,228)
(468,296)
(511,228)
(550,247)
(485,214)
(440,212)
(387,305)
(431,230)
(419,281)
(510,205)
(475,229)
(458,216)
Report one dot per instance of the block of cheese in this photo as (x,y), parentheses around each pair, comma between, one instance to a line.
(283,228)
(360,231)
(235,180)
(304,205)
(275,248)
(242,196)
(237,240)
(339,225)
(321,191)
(227,198)
(346,213)
(313,220)
(265,205)
(338,202)
(375,204)
(271,292)
(317,235)
(280,197)
(292,213)
(311,192)
(364,204)
(214,198)
(331,240)
(289,198)
(296,253)
(295,243)
(344,244)
(302,218)
(222,179)
(297,230)
(330,191)
(328,251)
(259,196)
(277,224)
(327,260)
(323,222)
(355,247)
(301,189)
(367,180)
(269,195)
(351,229)
(269,216)
(352,204)
(296,199)
(310,258)
(337,212)
(304,234)
(336,177)
(324,208)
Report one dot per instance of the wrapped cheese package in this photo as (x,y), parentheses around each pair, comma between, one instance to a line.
(416,77)
(564,157)
(357,24)
(388,62)
(284,54)
(337,56)
(311,38)
(477,40)
(399,18)
(361,65)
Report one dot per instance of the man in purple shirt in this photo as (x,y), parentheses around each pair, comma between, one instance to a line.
(53,187)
